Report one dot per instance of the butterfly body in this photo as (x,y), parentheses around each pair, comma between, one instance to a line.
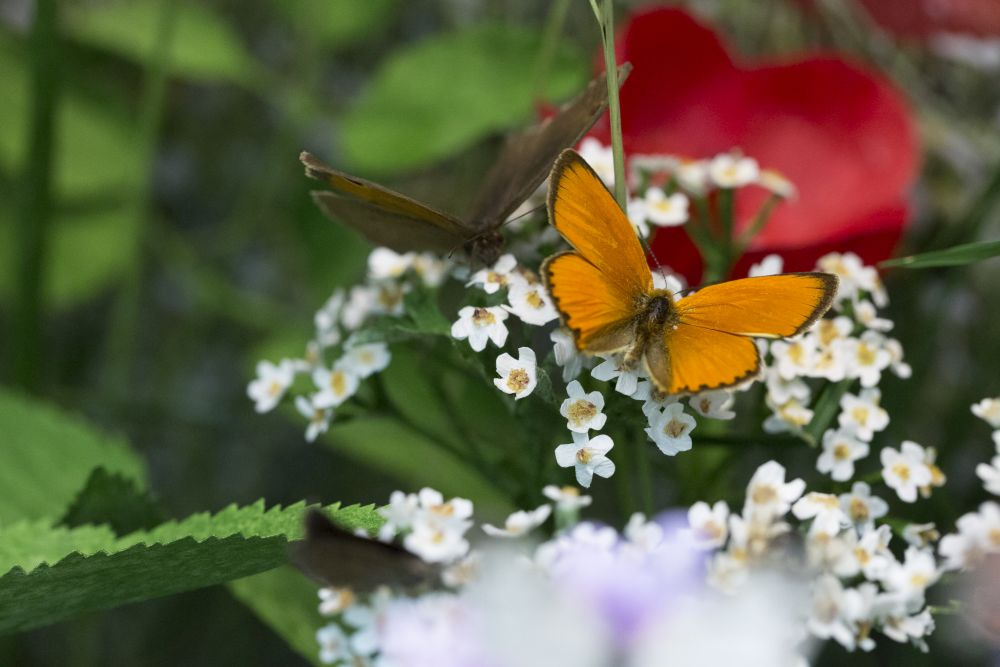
(603,289)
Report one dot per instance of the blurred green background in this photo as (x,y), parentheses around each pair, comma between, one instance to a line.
(156,240)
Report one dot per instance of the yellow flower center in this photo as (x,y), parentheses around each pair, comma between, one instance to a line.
(764,494)
(902,471)
(518,380)
(581,412)
(862,555)
(860,414)
(674,428)
(338,382)
(859,510)
(483,318)
(866,354)
(828,332)
(583,455)
(534,300)
(797,353)
(494,277)
(841,452)
(275,388)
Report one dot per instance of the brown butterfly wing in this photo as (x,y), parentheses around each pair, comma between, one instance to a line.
(336,557)
(527,156)
(383,216)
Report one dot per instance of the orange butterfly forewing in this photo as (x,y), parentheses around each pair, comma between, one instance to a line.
(604,291)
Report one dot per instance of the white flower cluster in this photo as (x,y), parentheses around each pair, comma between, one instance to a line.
(844,544)
(978,532)
(333,363)
(662,187)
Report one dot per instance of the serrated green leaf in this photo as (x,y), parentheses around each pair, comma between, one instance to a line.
(108,498)
(339,23)
(204,47)
(422,308)
(433,99)
(286,601)
(60,572)
(46,457)
(959,255)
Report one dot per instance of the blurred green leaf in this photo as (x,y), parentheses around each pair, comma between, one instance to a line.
(55,573)
(286,601)
(959,255)
(109,498)
(47,456)
(430,100)
(204,46)
(339,23)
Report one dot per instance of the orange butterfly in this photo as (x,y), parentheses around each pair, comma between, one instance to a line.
(603,289)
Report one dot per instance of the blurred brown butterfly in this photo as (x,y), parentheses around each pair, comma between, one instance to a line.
(388,218)
(338,558)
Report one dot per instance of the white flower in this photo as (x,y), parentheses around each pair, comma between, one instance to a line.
(988,410)
(829,330)
(709,525)
(326,319)
(600,158)
(863,413)
(715,404)
(840,450)
(732,170)
(480,325)
(566,498)
(664,278)
(637,216)
(517,376)
(643,535)
(790,416)
(332,601)
(333,644)
(360,304)
(865,313)
(824,510)
(531,303)
(692,175)
(769,494)
(794,357)
(366,360)
(335,385)
(978,534)
(862,507)
(867,554)
(436,544)
(270,385)
(867,357)
(665,210)
(589,457)
(583,411)
(781,391)
(494,278)
(431,269)
(895,350)
(384,263)
(773,180)
(399,513)
(613,367)
(827,616)
(319,418)
(990,474)
(905,470)
(771,265)
(911,577)
(520,523)
(848,268)
(921,534)
(671,429)
(566,354)
(903,628)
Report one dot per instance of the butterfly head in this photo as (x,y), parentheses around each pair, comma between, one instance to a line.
(485,247)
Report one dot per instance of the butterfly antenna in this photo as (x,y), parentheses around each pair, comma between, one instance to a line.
(649,251)
(523,215)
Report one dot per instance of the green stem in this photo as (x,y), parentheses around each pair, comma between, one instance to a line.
(124,335)
(606,21)
(645,472)
(550,43)
(727,237)
(36,203)
(759,220)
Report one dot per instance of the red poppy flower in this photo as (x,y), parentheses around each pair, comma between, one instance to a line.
(841,134)
(924,18)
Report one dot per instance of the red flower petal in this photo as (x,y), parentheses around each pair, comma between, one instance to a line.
(923,18)
(842,135)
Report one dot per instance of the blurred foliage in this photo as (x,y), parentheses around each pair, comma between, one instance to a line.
(232,259)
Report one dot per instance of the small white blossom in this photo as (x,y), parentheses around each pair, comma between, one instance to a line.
(794,357)
(861,506)
(399,514)
(497,276)
(643,535)
(517,376)
(863,413)
(671,429)
(319,418)
(921,534)
(978,535)
(911,577)
(566,354)
(431,269)
(732,170)
(867,554)
(824,510)
(335,385)
(587,456)
(849,268)
(332,601)
(334,646)
(988,410)
(384,263)
(583,411)
(905,628)
(827,618)
(366,360)
(520,523)
(867,315)
(480,325)
(773,180)
(789,416)
(768,494)
(692,175)
(435,544)
(781,391)
(771,265)
(327,318)
(637,215)
(600,158)
(567,498)
(868,357)
(270,385)
(715,404)
(898,365)
(653,399)
(613,367)
(990,474)
(665,210)
(531,303)
(905,470)
(709,525)
(840,450)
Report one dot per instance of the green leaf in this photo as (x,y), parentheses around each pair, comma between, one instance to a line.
(339,24)
(286,601)
(959,255)
(111,499)
(48,455)
(204,47)
(825,410)
(422,307)
(433,99)
(57,572)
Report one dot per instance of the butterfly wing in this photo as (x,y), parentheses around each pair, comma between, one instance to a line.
(692,359)
(527,156)
(383,216)
(767,306)
(339,558)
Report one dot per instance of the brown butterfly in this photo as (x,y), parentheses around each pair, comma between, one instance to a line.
(388,218)
(336,557)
